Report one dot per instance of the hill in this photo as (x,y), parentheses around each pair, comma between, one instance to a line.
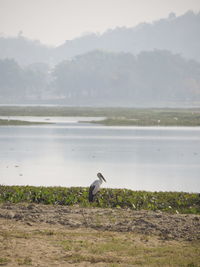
(177,34)
(24,51)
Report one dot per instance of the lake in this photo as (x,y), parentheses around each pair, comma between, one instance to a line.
(69,153)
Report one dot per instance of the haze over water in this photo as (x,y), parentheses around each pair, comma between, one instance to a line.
(70,154)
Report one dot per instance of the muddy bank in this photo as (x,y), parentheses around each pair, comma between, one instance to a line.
(166,226)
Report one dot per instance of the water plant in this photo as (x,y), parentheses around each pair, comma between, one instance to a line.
(173,202)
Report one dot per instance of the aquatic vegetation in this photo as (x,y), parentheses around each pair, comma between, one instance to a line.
(173,202)
(4,122)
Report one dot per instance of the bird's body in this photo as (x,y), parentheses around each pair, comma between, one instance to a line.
(95,186)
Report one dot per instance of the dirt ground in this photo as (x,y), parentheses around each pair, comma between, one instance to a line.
(47,235)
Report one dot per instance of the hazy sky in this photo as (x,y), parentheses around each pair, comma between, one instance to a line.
(54,21)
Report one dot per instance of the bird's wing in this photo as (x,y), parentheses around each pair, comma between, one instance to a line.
(97,187)
(94,183)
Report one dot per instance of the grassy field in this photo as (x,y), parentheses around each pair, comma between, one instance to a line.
(107,198)
(31,244)
(115,116)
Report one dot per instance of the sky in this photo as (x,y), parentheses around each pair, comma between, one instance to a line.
(55,21)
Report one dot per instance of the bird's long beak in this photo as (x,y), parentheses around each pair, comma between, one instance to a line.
(103,178)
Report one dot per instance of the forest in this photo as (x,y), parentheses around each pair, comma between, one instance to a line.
(156,78)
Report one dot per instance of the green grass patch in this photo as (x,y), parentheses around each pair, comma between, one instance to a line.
(4,261)
(107,198)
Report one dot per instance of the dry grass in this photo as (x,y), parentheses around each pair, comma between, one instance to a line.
(43,244)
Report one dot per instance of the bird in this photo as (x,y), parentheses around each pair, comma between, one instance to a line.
(95,186)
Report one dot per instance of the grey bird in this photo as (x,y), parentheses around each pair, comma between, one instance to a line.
(95,186)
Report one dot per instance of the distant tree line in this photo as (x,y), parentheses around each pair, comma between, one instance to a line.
(102,78)
(21,84)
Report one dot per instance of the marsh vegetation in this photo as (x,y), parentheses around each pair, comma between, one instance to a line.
(172,202)
(114,116)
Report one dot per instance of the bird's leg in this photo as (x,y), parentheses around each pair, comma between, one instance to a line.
(97,200)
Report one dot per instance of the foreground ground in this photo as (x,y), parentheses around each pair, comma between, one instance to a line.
(53,235)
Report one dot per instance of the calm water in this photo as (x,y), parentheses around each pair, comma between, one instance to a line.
(69,153)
